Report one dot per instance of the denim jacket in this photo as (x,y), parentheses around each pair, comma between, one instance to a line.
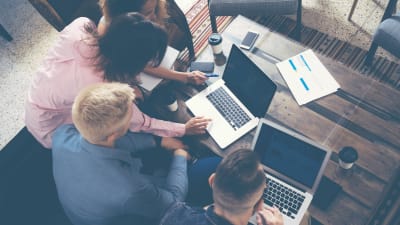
(182,214)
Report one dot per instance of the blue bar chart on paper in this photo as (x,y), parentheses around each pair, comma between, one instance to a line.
(307,78)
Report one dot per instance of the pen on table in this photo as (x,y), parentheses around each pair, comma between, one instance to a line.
(212,75)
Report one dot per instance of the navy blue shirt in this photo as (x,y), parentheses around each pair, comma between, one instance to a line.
(101,185)
(182,214)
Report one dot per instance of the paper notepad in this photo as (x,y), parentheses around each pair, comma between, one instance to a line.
(149,82)
(307,77)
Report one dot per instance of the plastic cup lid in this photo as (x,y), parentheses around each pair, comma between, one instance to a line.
(215,38)
(348,155)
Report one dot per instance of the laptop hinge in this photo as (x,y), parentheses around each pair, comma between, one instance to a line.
(293,185)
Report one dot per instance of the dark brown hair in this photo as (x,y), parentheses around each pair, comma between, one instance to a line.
(238,176)
(129,44)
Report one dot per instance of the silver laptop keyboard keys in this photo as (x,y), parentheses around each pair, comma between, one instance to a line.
(228,108)
(288,201)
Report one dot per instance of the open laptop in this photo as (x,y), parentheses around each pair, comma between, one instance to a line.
(235,102)
(294,166)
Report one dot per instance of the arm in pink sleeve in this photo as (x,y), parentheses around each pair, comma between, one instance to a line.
(144,123)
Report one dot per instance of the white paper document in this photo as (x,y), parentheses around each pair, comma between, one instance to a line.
(149,82)
(307,77)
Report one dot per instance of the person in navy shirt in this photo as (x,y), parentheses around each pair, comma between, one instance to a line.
(237,186)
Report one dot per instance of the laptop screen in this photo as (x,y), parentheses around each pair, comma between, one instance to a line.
(289,155)
(249,84)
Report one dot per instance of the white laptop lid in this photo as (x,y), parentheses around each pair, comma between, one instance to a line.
(289,156)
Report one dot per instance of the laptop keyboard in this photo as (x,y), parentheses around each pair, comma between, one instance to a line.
(228,108)
(287,200)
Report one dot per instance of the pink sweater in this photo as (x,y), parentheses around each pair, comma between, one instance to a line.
(64,72)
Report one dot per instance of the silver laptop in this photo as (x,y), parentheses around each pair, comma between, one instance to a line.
(235,102)
(294,166)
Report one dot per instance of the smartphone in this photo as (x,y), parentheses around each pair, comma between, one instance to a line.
(249,40)
(205,67)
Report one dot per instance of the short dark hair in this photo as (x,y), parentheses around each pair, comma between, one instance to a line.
(129,44)
(237,178)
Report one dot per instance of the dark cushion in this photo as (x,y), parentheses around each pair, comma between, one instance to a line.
(72,9)
(27,192)
(388,35)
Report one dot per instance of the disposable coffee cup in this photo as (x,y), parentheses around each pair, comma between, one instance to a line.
(215,41)
(347,157)
(172,103)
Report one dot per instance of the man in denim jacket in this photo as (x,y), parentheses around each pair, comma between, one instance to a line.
(238,187)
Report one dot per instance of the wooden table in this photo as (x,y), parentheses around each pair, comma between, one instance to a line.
(364,114)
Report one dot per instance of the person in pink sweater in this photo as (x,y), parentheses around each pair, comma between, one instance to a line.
(81,57)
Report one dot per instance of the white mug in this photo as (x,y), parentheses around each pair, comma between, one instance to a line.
(173,106)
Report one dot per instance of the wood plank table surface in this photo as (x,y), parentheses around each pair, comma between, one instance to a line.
(364,114)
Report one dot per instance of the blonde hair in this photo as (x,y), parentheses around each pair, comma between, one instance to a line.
(100,110)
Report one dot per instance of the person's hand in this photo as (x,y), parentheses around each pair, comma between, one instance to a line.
(196,125)
(196,77)
(171,143)
(269,216)
(183,153)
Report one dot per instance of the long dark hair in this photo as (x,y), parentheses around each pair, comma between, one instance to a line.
(129,44)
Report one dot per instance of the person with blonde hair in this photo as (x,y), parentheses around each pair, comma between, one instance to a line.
(156,11)
(98,179)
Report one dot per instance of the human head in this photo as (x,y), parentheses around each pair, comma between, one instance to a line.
(238,183)
(154,10)
(129,44)
(102,110)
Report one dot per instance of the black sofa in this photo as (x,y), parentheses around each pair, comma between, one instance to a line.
(27,190)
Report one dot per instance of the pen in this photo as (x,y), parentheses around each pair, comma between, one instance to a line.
(212,75)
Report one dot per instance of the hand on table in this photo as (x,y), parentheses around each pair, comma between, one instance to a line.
(172,144)
(196,125)
(196,77)
(183,153)
(269,216)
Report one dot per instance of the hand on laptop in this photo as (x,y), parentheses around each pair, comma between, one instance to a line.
(196,125)
(269,216)
(196,77)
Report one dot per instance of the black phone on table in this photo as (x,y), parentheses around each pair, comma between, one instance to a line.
(205,67)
